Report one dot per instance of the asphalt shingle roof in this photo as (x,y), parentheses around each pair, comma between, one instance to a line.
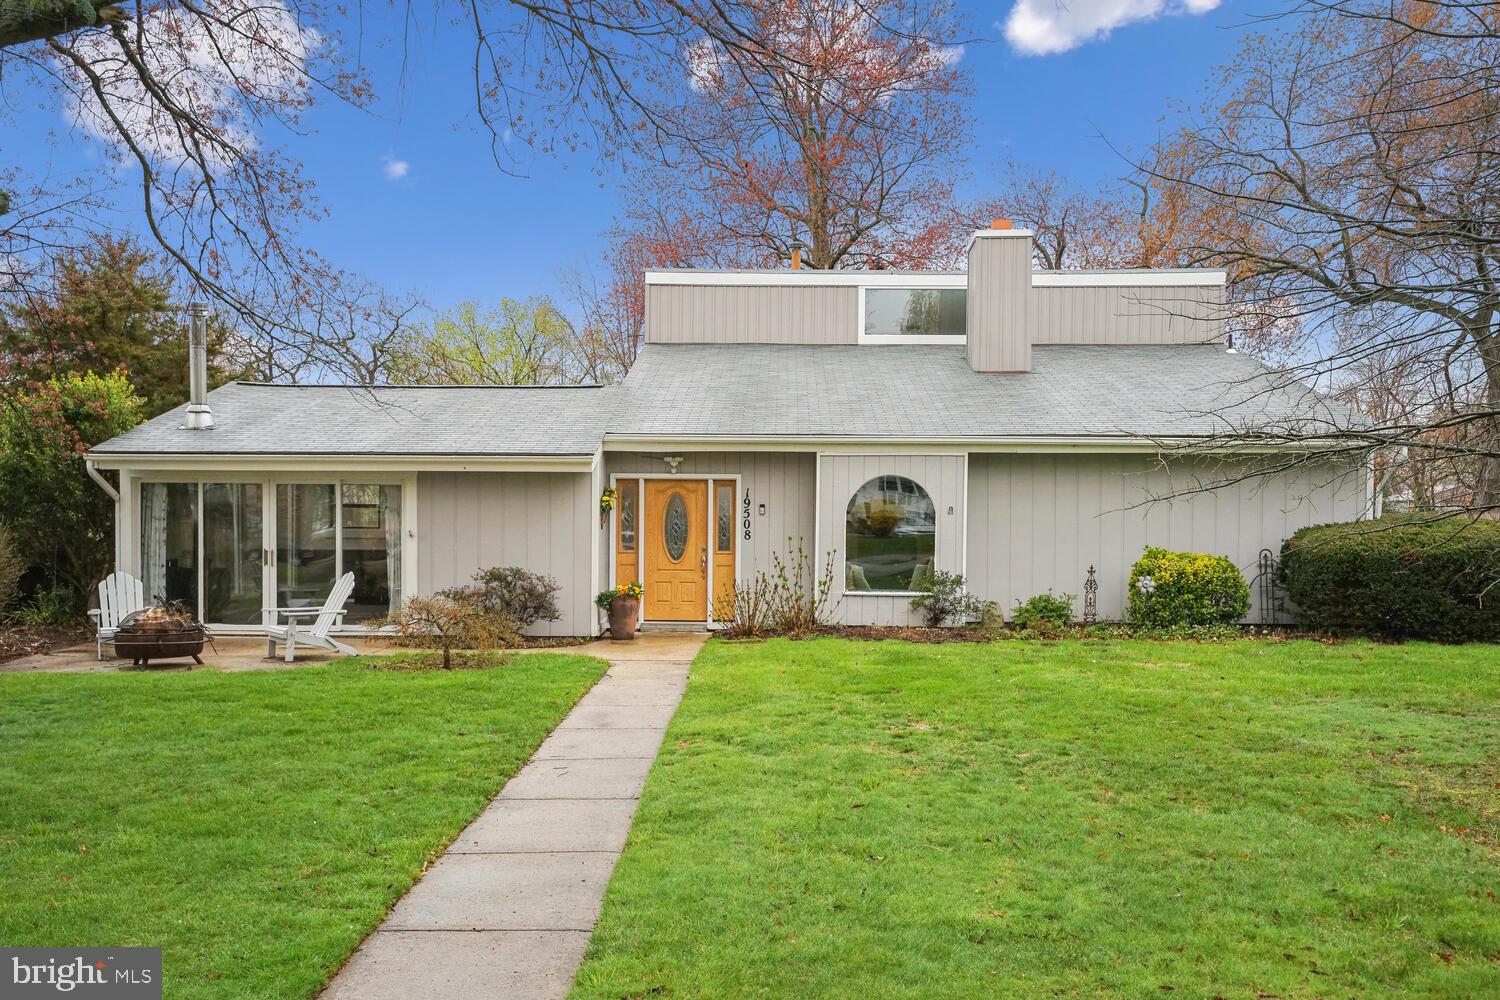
(253,418)
(931,392)
(756,390)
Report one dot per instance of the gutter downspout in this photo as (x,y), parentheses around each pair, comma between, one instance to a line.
(114,494)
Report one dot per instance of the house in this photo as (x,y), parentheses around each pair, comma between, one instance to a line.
(1008,424)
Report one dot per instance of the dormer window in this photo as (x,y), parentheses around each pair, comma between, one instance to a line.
(912,315)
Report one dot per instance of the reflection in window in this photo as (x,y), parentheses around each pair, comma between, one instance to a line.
(372,548)
(724,526)
(233,580)
(889,533)
(627,516)
(915,312)
(306,544)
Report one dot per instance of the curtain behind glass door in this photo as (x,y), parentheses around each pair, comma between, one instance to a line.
(232,546)
(372,548)
(169,542)
(306,544)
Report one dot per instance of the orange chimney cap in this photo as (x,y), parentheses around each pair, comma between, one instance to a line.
(1000,223)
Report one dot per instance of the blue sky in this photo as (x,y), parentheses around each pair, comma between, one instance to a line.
(416,202)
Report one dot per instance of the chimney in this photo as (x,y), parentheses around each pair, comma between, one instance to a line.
(796,258)
(999,302)
(199,416)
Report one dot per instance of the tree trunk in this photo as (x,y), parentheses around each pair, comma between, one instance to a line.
(23,21)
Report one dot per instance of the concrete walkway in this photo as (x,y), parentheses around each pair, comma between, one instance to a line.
(507,911)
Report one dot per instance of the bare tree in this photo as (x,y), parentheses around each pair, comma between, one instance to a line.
(1349,163)
(841,132)
(201,97)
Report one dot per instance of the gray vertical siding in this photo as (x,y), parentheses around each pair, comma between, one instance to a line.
(839,476)
(783,481)
(542,521)
(999,304)
(1038,522)
(752,314)
(1148,314)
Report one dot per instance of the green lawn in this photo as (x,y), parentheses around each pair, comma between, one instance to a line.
(1101,819)
(255,825)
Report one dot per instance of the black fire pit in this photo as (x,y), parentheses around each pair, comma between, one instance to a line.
(165,632)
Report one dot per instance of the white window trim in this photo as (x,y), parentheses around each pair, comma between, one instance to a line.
(942,282)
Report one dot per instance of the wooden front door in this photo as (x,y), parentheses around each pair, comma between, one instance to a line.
(674,536)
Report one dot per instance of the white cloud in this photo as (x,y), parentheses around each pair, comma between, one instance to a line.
(395,169)
(1046,27)
(251,61)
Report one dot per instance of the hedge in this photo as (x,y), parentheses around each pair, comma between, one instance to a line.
(1172,589)
(1398,578)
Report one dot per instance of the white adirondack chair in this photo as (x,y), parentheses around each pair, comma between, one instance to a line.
(316,634)
(120,594)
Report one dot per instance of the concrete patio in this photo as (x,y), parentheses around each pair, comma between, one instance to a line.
(233,652)
(248,652)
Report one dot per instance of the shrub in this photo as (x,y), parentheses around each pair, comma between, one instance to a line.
(801,599)
(944,600)
(59,518)
(1044,611)
(525,596)
(792,599)
(52,608)
(1168,589)
(446,624)
(1407,578)
(11,567)
(744,612)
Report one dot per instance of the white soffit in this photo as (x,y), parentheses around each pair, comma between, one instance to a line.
(932,279)
(813,279)
(1119,279)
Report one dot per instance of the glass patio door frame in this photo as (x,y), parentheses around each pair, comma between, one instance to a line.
(408,484)
(267,540)
(268,563)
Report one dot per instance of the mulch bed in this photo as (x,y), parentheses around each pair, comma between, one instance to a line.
(18,640)
(906,633)
(920,634)
(550,641)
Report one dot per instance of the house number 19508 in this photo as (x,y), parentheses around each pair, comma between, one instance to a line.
(745,515)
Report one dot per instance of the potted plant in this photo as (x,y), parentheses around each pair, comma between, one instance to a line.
(623,605)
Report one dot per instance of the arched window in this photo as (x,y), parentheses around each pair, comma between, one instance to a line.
(889,531)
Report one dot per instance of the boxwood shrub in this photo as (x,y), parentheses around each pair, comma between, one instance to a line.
(1171,589)
(1398,578)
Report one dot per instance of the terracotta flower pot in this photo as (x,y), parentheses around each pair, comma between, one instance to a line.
(622,616)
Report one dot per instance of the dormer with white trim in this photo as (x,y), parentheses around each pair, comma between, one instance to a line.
(998,308)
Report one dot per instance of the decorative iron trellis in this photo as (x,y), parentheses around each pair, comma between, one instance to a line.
(1090,599)
(1267,583)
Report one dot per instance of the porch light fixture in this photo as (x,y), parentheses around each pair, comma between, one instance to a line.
(673,461)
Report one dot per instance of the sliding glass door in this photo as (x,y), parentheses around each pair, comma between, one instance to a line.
(229,549)
(233,543)
(307,560)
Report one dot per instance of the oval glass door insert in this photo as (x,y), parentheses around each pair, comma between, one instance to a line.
(675,527)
